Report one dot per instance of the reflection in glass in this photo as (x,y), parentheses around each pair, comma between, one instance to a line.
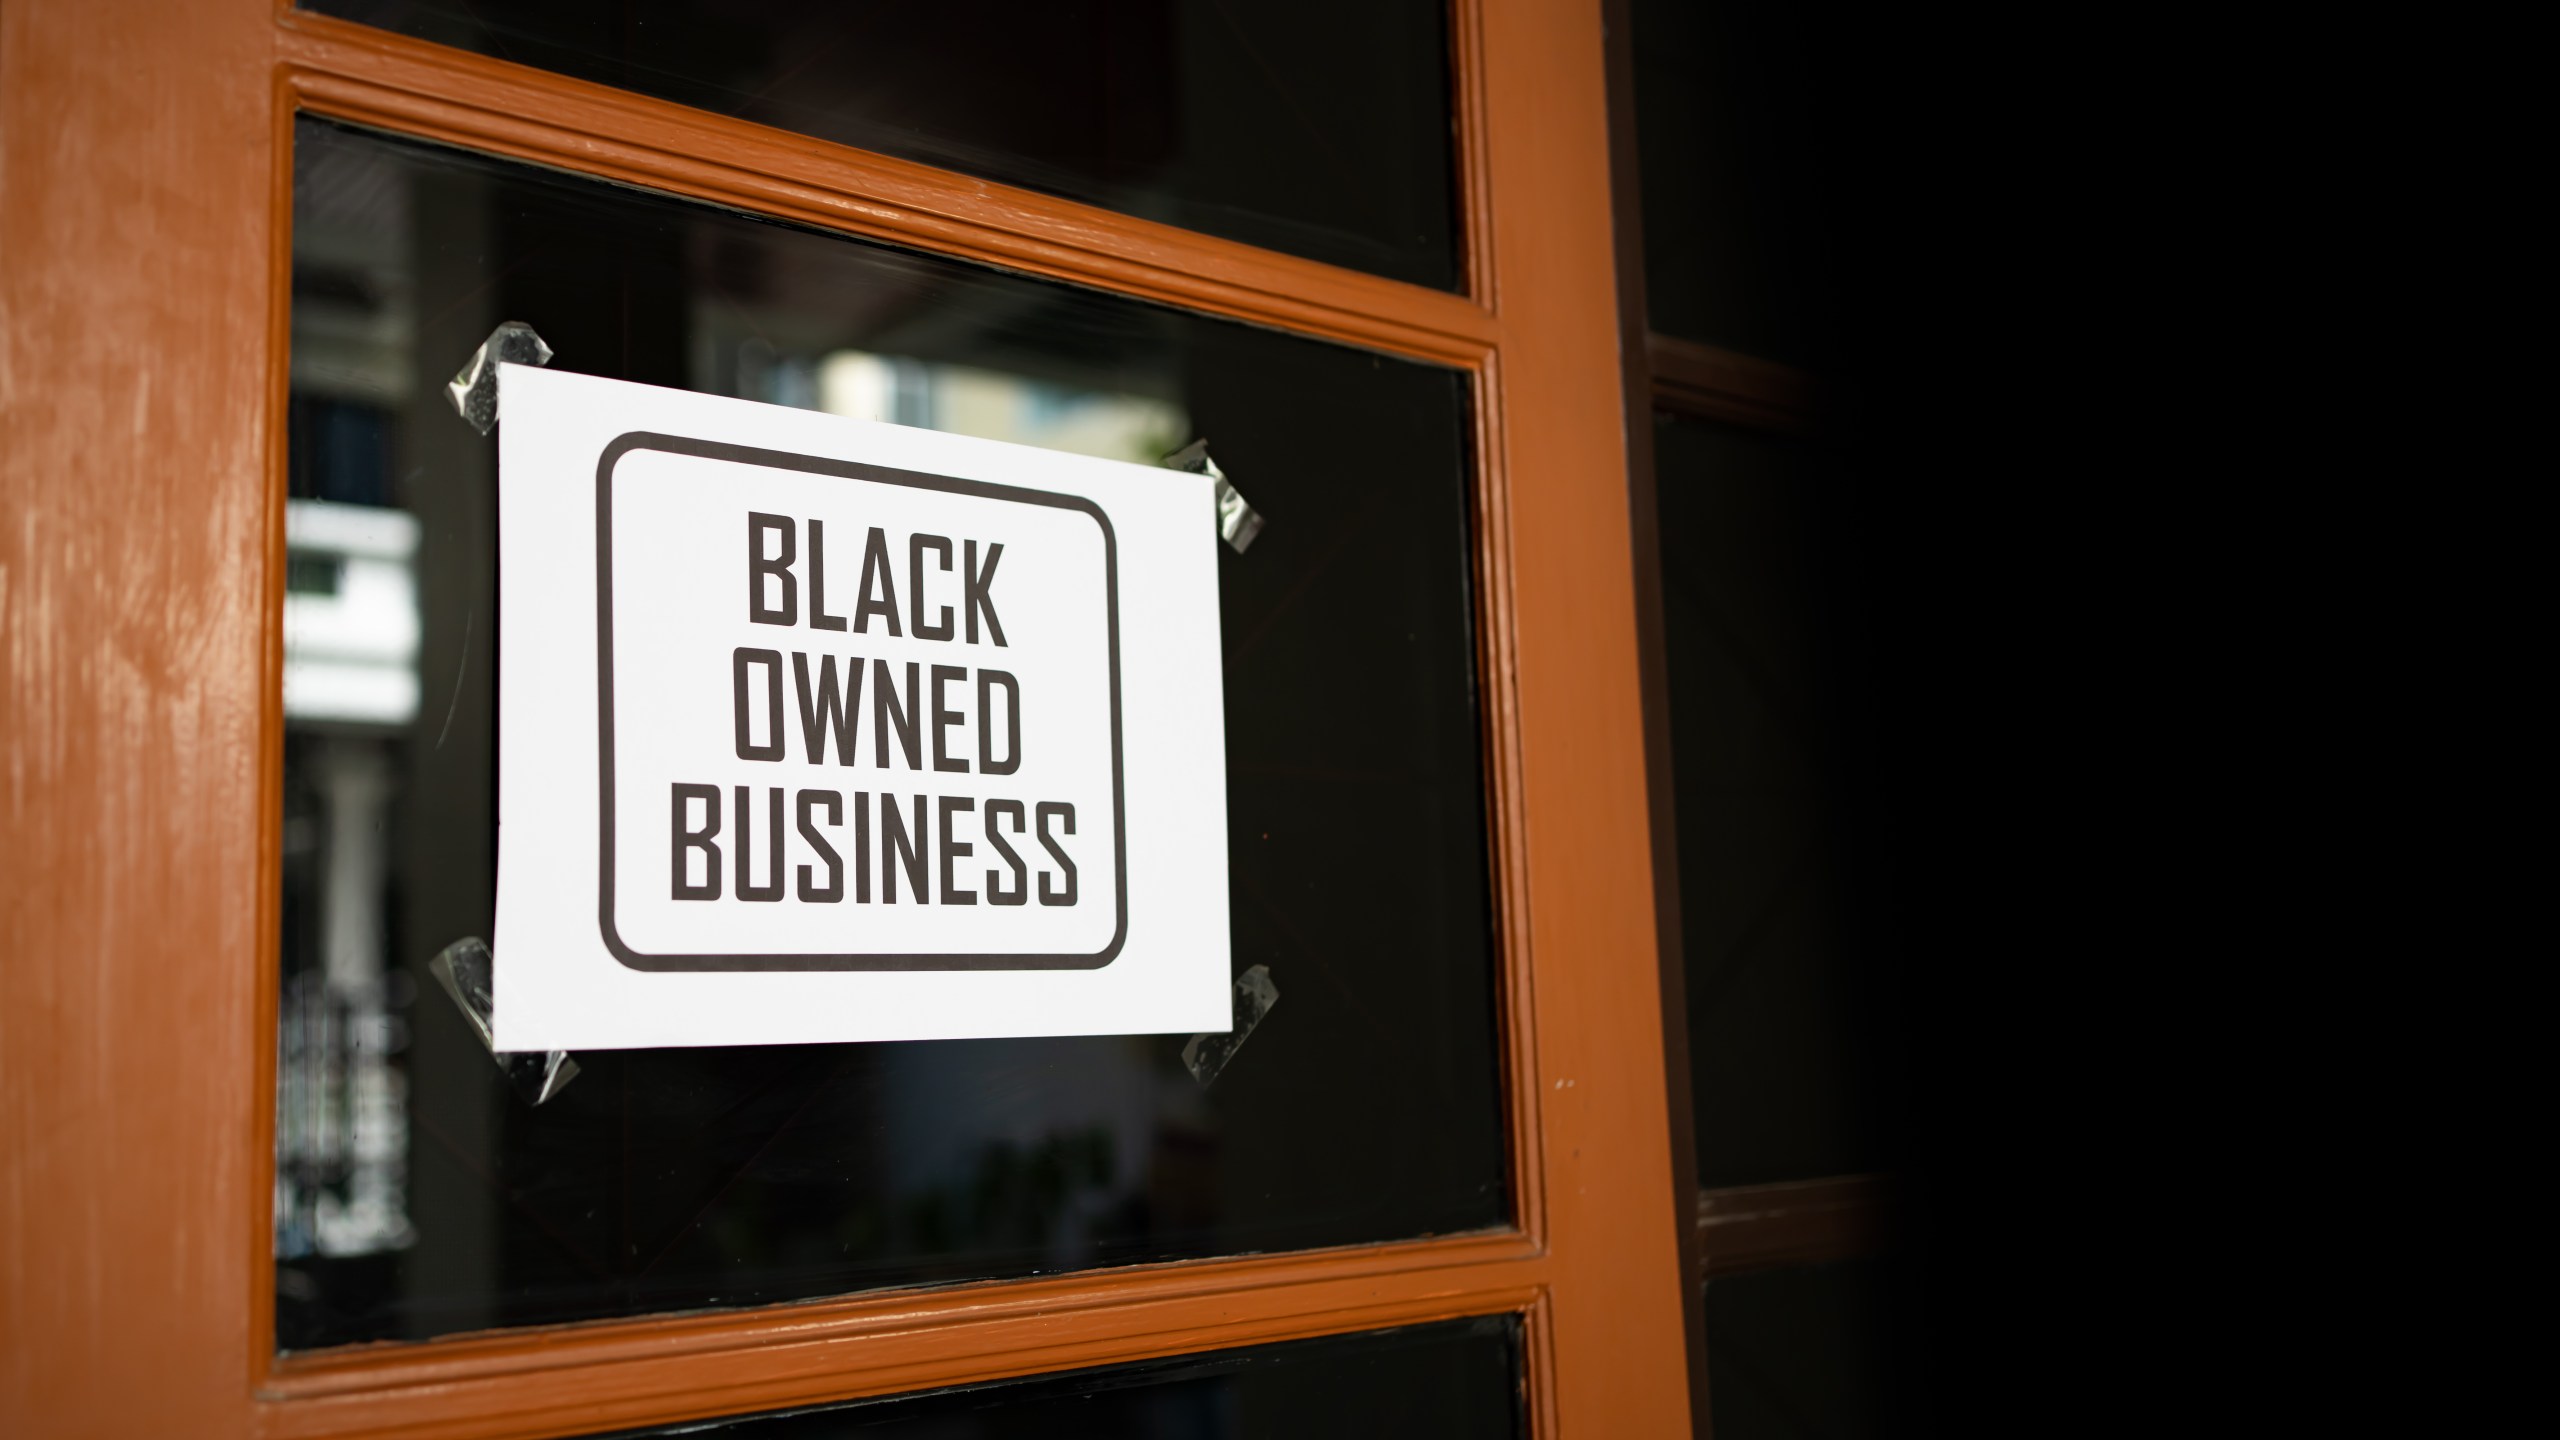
(1461,1378)
(350,690)
(418,1196)
(1323,128)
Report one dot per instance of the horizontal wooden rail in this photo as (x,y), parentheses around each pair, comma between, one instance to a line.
(1719,384)
(370,77)
(574,1378)
(1759,1227)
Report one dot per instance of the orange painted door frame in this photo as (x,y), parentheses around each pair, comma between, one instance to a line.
(145,176)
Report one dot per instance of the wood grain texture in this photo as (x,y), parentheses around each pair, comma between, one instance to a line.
(137,520)
(1616,1294)
(1720,384)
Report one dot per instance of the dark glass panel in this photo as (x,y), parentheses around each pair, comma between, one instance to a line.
(1782,921)
(1804,1353)
(419,1196)
(1321,127)
(1739,110)
(1458,1379)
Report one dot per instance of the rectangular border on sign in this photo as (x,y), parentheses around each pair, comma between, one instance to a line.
(850,470)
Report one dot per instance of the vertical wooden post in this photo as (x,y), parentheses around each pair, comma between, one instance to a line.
(137,182)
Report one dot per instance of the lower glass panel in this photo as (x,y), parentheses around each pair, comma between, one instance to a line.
(418,1195)
(1462,1378)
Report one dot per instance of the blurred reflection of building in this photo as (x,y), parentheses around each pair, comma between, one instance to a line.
(350,687)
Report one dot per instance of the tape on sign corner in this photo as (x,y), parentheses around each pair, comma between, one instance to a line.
(1238,521)
(463,969)
(1205,1056)
(474,388)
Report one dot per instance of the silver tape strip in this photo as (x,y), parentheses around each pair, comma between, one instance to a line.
(463,969)
(1206,1055)
(1238,521)
(474,388)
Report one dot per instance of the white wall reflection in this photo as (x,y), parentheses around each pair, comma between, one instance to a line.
(351,632)
(350,613)
(965,400)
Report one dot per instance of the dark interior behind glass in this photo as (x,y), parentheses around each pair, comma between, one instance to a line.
(1320,127)
(418,1196)
(1746,121)
(1461,1379)
(1785,915)
(1807,1351)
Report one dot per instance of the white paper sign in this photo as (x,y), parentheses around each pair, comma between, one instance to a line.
(817,729)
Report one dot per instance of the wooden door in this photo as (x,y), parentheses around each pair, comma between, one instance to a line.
(145,251)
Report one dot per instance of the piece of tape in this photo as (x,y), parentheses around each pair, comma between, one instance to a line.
(1206,1055)
(474,388)
(1238,522)
(463,969)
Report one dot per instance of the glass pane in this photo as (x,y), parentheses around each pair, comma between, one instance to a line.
(417,1195)
(1773,768)
(1462,1378)
(1321,127)
(1736,103)
(1803,1352)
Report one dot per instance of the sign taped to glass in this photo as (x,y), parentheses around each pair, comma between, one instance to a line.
(816,729)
